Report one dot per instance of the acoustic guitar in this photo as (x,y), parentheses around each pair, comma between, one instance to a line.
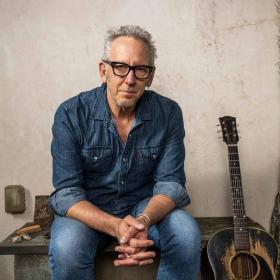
(240,252)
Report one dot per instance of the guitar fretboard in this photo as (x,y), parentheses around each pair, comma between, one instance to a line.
(241,234)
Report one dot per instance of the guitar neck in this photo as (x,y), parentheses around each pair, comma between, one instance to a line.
(241,234)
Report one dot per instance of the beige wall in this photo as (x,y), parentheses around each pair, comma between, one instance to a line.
(214,57)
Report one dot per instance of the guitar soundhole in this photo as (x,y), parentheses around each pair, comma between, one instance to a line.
(244,266)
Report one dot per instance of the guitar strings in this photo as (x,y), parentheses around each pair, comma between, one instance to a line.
(246,271)
(239,212)
(246,257)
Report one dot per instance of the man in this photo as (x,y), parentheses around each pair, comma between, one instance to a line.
(118,170)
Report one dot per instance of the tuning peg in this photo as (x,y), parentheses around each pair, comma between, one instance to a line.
(219,131)
(220,137)
(217,124)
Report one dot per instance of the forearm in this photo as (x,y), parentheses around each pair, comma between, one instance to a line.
(87,213)
(158,207)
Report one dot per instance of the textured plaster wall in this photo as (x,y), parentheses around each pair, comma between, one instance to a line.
(214,57)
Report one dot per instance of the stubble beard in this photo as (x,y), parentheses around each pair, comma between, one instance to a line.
(124,107)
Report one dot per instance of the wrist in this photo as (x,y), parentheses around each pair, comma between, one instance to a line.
(143,217)
(115,227)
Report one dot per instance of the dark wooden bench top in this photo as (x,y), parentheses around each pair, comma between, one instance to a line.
(40,241)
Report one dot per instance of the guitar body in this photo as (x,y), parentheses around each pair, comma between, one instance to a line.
(258,263)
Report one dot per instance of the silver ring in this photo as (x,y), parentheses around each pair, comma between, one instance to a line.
(127,255)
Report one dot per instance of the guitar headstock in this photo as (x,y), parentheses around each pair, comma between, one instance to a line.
(229,130)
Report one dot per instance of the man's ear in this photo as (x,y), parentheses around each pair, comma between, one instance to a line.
(102,72)
(150,80)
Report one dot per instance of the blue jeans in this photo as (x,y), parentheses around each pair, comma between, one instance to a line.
(74,245)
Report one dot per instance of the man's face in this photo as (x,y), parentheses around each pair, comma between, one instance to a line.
(124,92)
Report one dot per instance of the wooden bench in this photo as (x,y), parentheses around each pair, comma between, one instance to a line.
(31,257)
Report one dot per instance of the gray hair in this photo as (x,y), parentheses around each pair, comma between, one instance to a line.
(134,31)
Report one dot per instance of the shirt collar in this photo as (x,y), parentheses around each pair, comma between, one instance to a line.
(144,107)
(101,108)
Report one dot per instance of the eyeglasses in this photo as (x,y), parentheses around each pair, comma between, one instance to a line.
(141,72)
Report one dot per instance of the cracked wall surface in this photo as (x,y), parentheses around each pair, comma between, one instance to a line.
(215,58)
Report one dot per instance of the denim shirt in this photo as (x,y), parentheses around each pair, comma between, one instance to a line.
(91,163)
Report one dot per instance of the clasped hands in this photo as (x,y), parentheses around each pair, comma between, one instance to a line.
(132,234)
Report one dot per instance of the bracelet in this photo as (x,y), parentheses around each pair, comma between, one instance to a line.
(148,219)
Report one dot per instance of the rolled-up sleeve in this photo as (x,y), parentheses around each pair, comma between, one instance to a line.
(67,163)
(170,175)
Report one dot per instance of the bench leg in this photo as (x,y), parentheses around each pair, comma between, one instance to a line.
(32,267)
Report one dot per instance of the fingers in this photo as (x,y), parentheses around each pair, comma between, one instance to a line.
(145,262)
(140,243)
(133,222)
(125,262)
(143,255)
(134,246)
(125,249)
(128,250)
(128,228)
(141,258)
(130,232)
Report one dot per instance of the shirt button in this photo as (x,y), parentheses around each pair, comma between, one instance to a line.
(154,156)
(122,182)
(124,159)
(95,158)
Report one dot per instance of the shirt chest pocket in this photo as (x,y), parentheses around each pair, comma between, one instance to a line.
(97,160)
(145,160)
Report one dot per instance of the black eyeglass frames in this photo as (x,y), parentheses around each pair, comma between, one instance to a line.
(121,69)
